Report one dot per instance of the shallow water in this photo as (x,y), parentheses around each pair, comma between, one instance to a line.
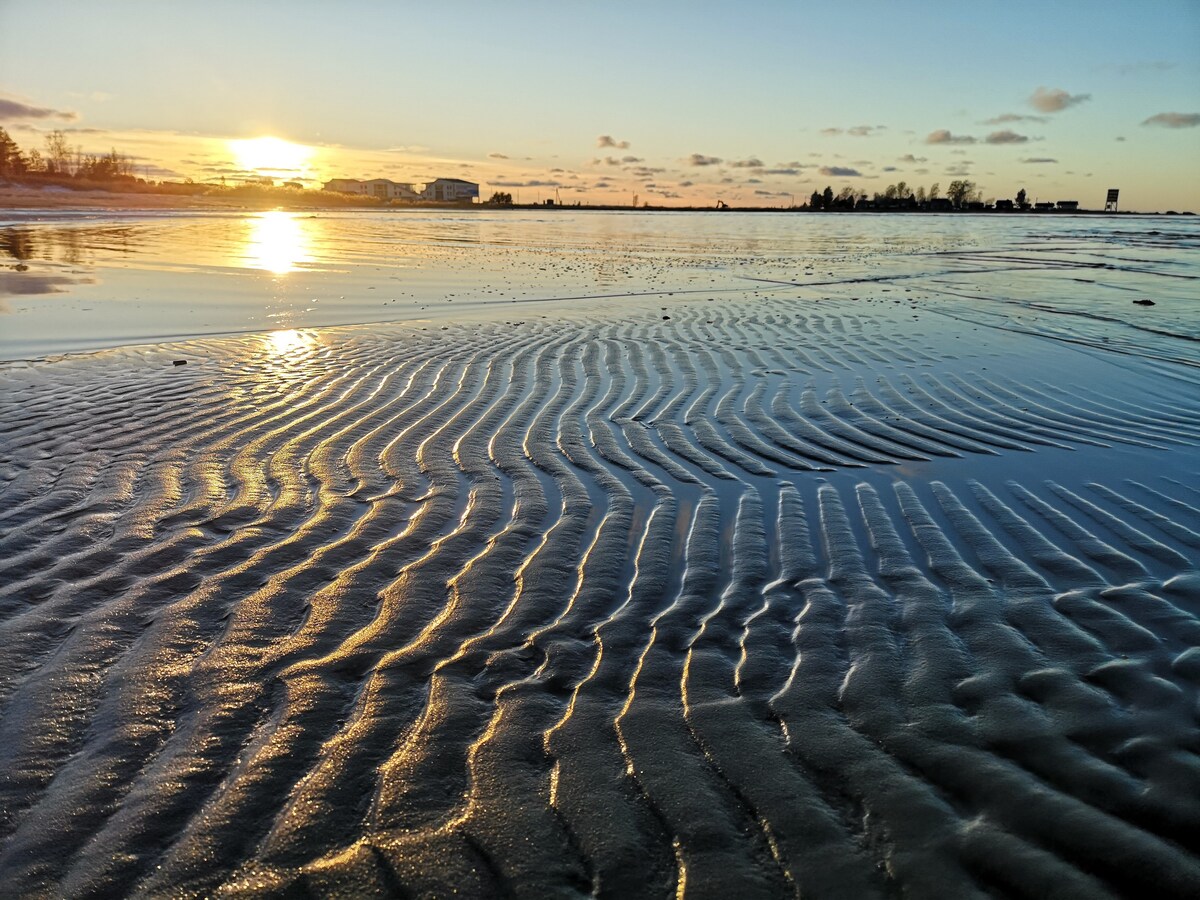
(741,581)
(77,281)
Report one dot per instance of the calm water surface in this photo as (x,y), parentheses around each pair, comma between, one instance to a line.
(72,281)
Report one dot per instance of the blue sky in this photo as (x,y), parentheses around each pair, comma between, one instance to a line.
(508,93)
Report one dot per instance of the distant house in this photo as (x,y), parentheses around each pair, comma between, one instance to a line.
(441,190)
(941,204)
(1005,206)
(450,190)
(1068,204)
(381,188)
(1043,206)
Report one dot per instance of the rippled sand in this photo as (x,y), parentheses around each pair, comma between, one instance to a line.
(840,599)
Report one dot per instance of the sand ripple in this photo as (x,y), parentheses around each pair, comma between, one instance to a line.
(759,604)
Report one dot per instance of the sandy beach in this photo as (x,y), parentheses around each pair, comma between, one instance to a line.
(845,571)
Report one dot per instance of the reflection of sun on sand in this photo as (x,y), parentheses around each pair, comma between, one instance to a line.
(278,243)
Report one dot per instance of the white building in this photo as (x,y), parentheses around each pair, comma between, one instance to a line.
(382,188)
(450,190)
(441,190)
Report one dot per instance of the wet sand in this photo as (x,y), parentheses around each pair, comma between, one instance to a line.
(848,597)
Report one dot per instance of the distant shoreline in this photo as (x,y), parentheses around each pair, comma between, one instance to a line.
(33,199)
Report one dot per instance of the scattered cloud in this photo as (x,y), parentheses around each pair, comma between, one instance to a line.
(909,158)
(790,170)
(1039,160)
(607,140)
(530,183)
(1006,137)
(942,136)
(411,148)
(752,163)
(840,172)
(630,160)
(1119,138)
(15,109)
(1174,120)
(1013,117)
(497,156)
(699,159)
(856,131)
(1051,100)
(889,169)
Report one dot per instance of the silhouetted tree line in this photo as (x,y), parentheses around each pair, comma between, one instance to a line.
(961,194)
(59,160)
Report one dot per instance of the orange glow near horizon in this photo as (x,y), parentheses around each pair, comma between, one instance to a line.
(271,155)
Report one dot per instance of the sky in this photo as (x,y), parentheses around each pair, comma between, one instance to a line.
(674,102)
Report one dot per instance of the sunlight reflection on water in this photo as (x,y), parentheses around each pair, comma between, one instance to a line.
(75,281)
(278,243)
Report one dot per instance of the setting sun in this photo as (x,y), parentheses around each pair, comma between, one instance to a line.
(270,154)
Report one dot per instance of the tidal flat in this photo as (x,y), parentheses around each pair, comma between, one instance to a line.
(599,554)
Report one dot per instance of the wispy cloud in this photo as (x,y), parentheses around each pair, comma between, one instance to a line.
(1013,117)
(699,159)
(15,109)
(909,158)
(942,136)
(607,140)
(497,156)
(1051,100)
(530,183)
(840,172)
(751,163)
(1174,120)
(1154,65)
(1039,160)
(1006,137)
(855,131)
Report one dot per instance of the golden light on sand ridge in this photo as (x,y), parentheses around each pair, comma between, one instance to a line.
(270,155)
(282,342)
(277,242)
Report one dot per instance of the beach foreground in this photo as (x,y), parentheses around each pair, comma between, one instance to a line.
(838,598)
